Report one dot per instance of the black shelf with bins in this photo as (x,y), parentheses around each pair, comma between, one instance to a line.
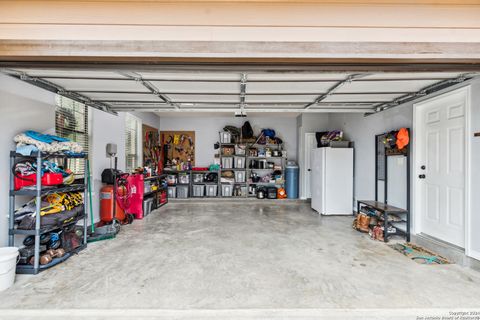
(156,194)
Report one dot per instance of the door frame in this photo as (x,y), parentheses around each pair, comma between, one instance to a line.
(303,178)
(417,146)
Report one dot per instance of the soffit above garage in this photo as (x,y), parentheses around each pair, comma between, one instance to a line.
(286,90)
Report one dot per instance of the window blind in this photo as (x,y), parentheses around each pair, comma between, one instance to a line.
(71,122)
(132,132)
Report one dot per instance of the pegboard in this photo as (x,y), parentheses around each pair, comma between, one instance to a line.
(178,145)
(151,146)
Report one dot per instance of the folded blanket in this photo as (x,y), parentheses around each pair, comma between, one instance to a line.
(23,140)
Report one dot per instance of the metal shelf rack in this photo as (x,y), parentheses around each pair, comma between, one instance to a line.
(155,193)
(38,191)
(247,169)
(247,183)
(402,228)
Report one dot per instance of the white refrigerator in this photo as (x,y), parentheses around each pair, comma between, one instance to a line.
(332,181)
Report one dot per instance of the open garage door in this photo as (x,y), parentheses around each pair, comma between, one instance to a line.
(236,89)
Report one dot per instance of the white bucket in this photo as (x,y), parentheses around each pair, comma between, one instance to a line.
(8,262)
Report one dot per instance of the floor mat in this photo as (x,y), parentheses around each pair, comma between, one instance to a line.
(419,254)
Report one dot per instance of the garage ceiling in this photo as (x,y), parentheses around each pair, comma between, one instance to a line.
(294,91)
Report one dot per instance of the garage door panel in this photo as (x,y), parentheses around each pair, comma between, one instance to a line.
(71,73)
(275,106)
(286,87)
(95,85)
(279,98)
(361,97)
(385,86)
(194,76)
(411,75)
(196,87)
(200,98)
(296,76)
(122,96)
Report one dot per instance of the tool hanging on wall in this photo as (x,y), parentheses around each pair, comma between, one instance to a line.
(178,147)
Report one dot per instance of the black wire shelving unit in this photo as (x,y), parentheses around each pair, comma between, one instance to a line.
(38,191)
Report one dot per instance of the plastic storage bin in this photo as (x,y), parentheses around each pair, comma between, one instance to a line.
(172,192)
(228,151)
(183,178)
(182,192)
(147,187)
(240,191)
(291,181)
(147,206)
(198,190)
(227,190)
(240,176)
(197,177)
(171,179)
(225,137)
(239,162)
(227,163)
(211,190)
(240,149)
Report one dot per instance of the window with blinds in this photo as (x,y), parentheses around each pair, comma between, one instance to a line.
(71,122)
(132,136)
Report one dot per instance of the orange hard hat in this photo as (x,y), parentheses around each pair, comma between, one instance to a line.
(402,138)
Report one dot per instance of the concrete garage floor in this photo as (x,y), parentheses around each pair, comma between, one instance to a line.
(229,255)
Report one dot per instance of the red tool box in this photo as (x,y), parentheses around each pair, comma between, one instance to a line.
(48,179)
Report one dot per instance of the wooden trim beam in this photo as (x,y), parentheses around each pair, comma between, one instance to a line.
(218,52)
(361,2)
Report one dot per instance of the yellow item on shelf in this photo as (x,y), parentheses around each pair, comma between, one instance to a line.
(61,202)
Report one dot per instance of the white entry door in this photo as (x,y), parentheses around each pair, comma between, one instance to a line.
(441,167)
(310,144)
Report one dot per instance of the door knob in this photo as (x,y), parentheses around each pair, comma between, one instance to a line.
(309,169)
(423,167)
(422,176)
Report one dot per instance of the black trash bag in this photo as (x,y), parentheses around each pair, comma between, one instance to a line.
(247,130)
(318,136)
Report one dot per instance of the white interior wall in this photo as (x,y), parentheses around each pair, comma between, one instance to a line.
(149,118)
(107,128)
(207,128)
(362,131)
(23,107)
(26,107)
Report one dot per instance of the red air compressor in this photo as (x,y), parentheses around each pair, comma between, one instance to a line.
(119,194)
(106,206)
